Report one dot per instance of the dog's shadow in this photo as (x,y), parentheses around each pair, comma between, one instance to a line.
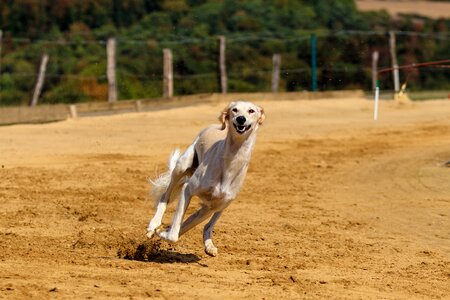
(151,251)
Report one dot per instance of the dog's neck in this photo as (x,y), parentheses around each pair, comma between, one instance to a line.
(237,151)
(235,155)
(236,158)
(237,147)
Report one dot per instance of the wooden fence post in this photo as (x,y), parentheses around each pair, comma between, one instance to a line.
(392,48)
(223,80)
(168,74)
(40,81)
(111,69)
(276,60)
(313,63)
(375,57)
(1,37)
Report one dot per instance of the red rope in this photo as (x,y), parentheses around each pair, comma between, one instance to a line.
(419,65)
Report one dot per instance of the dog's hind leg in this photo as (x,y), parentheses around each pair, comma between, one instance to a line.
(155,222)
(183,164)
(210,249)
(172,234)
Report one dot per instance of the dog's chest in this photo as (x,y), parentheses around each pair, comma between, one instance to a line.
(219,190)
(228,187)
(220,196)
(218,181)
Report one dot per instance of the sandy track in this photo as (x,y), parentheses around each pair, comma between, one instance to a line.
(334,205)
(432,9)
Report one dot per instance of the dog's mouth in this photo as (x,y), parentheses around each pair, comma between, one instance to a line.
(241,128)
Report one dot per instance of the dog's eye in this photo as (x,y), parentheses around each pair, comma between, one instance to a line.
(250,111)
(234,110)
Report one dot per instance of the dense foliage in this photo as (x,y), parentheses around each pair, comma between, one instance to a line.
(73,33)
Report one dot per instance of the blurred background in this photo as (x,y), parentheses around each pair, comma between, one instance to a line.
(74,34)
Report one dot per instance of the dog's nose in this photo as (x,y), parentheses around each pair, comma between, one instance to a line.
(241,120)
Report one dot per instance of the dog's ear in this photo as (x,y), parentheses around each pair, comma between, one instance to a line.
(224,116)
(262,116)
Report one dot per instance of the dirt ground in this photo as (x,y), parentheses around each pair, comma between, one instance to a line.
(432,9)
(335,205)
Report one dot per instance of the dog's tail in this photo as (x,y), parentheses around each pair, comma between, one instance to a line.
(161,183)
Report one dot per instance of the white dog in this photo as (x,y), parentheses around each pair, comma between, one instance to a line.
(213,168)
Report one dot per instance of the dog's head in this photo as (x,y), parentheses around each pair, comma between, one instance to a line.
(242,117)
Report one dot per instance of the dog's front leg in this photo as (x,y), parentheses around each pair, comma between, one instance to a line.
(207,234)
(172,234)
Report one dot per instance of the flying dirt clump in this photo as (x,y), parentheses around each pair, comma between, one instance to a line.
(153,251)
(142,251)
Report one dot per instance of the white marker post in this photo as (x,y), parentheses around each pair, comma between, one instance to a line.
(377,96)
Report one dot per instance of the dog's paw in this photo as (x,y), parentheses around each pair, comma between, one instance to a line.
(211,250)
(150,233)
(167,236)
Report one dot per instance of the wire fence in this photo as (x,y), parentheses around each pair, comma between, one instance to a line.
(76,70)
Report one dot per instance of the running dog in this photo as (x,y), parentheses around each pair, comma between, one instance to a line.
(212,168)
